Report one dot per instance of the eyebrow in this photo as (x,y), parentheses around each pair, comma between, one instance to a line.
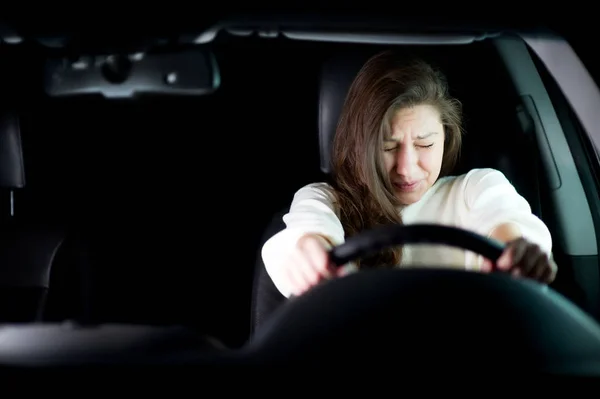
(419,137)
(424,136)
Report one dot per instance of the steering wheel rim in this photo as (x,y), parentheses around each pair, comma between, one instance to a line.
(376,239)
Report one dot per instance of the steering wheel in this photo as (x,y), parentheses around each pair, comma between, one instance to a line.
(394,234)
(423,317)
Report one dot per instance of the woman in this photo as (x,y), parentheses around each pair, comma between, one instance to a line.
(398,138)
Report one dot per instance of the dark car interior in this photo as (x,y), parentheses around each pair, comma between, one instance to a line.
(152,209)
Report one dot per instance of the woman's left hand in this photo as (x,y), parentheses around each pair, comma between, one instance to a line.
(523,258)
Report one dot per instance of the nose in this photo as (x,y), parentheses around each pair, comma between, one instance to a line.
(406,160)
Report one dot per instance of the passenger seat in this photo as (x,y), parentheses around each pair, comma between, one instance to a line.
(27,249)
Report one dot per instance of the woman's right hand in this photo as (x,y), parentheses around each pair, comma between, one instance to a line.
(309,263)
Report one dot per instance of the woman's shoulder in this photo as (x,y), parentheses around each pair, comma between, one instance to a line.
(476,178)
(478,186)
(315,189)
(470,185)
(319,191)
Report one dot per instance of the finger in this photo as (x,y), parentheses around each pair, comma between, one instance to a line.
(553,270)
(303,273)
(344,270)
(509,255)
(546,276)
(318,259)
(487,266)
(294,276)
(532,259)
(308,260)
(542,268)
(306,270)
(549,273)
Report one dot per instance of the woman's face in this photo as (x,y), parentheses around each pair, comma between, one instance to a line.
(413,154)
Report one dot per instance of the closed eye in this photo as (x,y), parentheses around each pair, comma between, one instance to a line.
(419,146)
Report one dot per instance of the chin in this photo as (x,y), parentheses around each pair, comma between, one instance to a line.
(409,198)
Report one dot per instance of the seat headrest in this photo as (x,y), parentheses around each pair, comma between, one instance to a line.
(337,75)
(12,169)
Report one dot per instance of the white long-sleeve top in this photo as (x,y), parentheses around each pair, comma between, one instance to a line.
(477,201)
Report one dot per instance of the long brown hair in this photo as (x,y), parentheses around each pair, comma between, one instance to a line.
(386,83)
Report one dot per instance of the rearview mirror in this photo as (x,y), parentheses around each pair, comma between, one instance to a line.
(191,72)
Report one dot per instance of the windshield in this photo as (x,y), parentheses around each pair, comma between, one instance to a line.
(165,201)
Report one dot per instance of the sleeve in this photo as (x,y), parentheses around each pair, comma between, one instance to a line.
(492,200)
(312,211)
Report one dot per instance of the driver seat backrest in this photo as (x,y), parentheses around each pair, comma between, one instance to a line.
(27,250)
(494,150)
(336,76)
